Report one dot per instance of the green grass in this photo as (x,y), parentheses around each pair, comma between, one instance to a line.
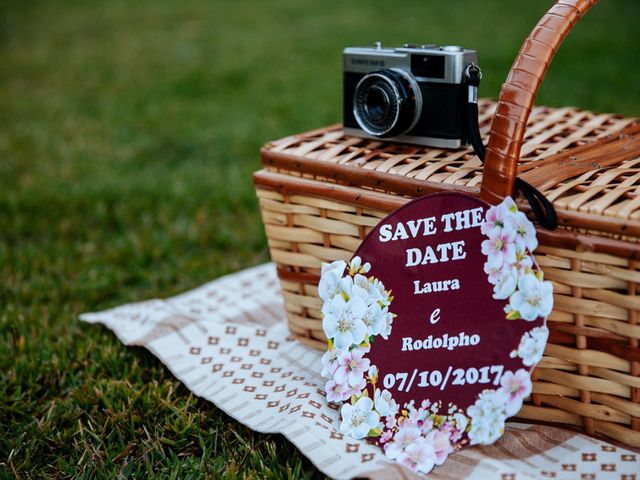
(128,134)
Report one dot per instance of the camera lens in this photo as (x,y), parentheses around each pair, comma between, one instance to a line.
(376,104)
(387,103)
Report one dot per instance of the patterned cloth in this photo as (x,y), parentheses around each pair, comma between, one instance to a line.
(228,342)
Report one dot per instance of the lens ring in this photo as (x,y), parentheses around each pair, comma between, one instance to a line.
(387,103)
(376,85)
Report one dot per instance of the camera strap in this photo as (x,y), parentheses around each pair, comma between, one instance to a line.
(541,207)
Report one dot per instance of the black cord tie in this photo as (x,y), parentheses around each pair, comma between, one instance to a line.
(542,208)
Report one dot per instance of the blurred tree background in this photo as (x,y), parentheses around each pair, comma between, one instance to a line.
(128,135)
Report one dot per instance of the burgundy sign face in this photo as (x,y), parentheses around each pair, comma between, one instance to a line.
(450,339)
(434,327)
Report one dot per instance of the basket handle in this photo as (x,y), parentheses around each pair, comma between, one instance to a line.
(518,94)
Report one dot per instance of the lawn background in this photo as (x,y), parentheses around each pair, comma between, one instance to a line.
(128,135)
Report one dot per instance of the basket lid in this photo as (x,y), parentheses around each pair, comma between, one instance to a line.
(587,164)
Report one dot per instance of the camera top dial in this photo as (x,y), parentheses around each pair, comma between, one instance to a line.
(387,103)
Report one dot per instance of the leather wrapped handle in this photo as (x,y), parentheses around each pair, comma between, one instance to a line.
(518,94)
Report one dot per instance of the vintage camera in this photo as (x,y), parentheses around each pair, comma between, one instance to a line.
(413,94)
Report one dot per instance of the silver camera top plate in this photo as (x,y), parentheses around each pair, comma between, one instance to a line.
(366,59)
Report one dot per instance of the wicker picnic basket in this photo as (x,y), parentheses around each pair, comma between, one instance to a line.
(321,192)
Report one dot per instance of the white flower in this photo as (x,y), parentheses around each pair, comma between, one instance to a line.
(487,417)
(509,204)
(532,345)
(373,374)
(375,292)
(406,435)
(374,319)
(354,290)
(419,456)
(386,329)
(385,405)
(525,232)
(343,321)
(331,274)
(356,266)
(516,387)
(382,294)
(351,368)
(461,421)
(506,284)
(329,286)
(533,299)
(359,418)
(330,362)
(337,267)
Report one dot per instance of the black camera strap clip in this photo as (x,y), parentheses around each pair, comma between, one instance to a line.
(473,75)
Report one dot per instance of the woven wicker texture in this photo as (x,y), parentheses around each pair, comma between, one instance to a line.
(322,192)
(594,189)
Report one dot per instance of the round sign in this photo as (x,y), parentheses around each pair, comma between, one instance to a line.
(434,327)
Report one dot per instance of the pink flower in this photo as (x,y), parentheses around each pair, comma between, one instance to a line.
(330,362)
(500,248)
(517,386)
(456,435)
(497,216)
(351,368)
(386,436)
(493,273)
(336,392)
(419,456)
(357,388)
(425,425)
(524,263)
(391,422)
(405,436)
(421,417)
(441,446)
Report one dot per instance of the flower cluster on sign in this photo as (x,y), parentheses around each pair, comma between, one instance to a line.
(509,264)
(415,403)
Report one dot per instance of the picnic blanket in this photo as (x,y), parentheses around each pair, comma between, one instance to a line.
(228,342)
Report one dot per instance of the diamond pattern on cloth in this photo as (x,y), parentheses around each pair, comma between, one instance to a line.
(228,342)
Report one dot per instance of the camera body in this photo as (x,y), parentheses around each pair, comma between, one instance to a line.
(412,94)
